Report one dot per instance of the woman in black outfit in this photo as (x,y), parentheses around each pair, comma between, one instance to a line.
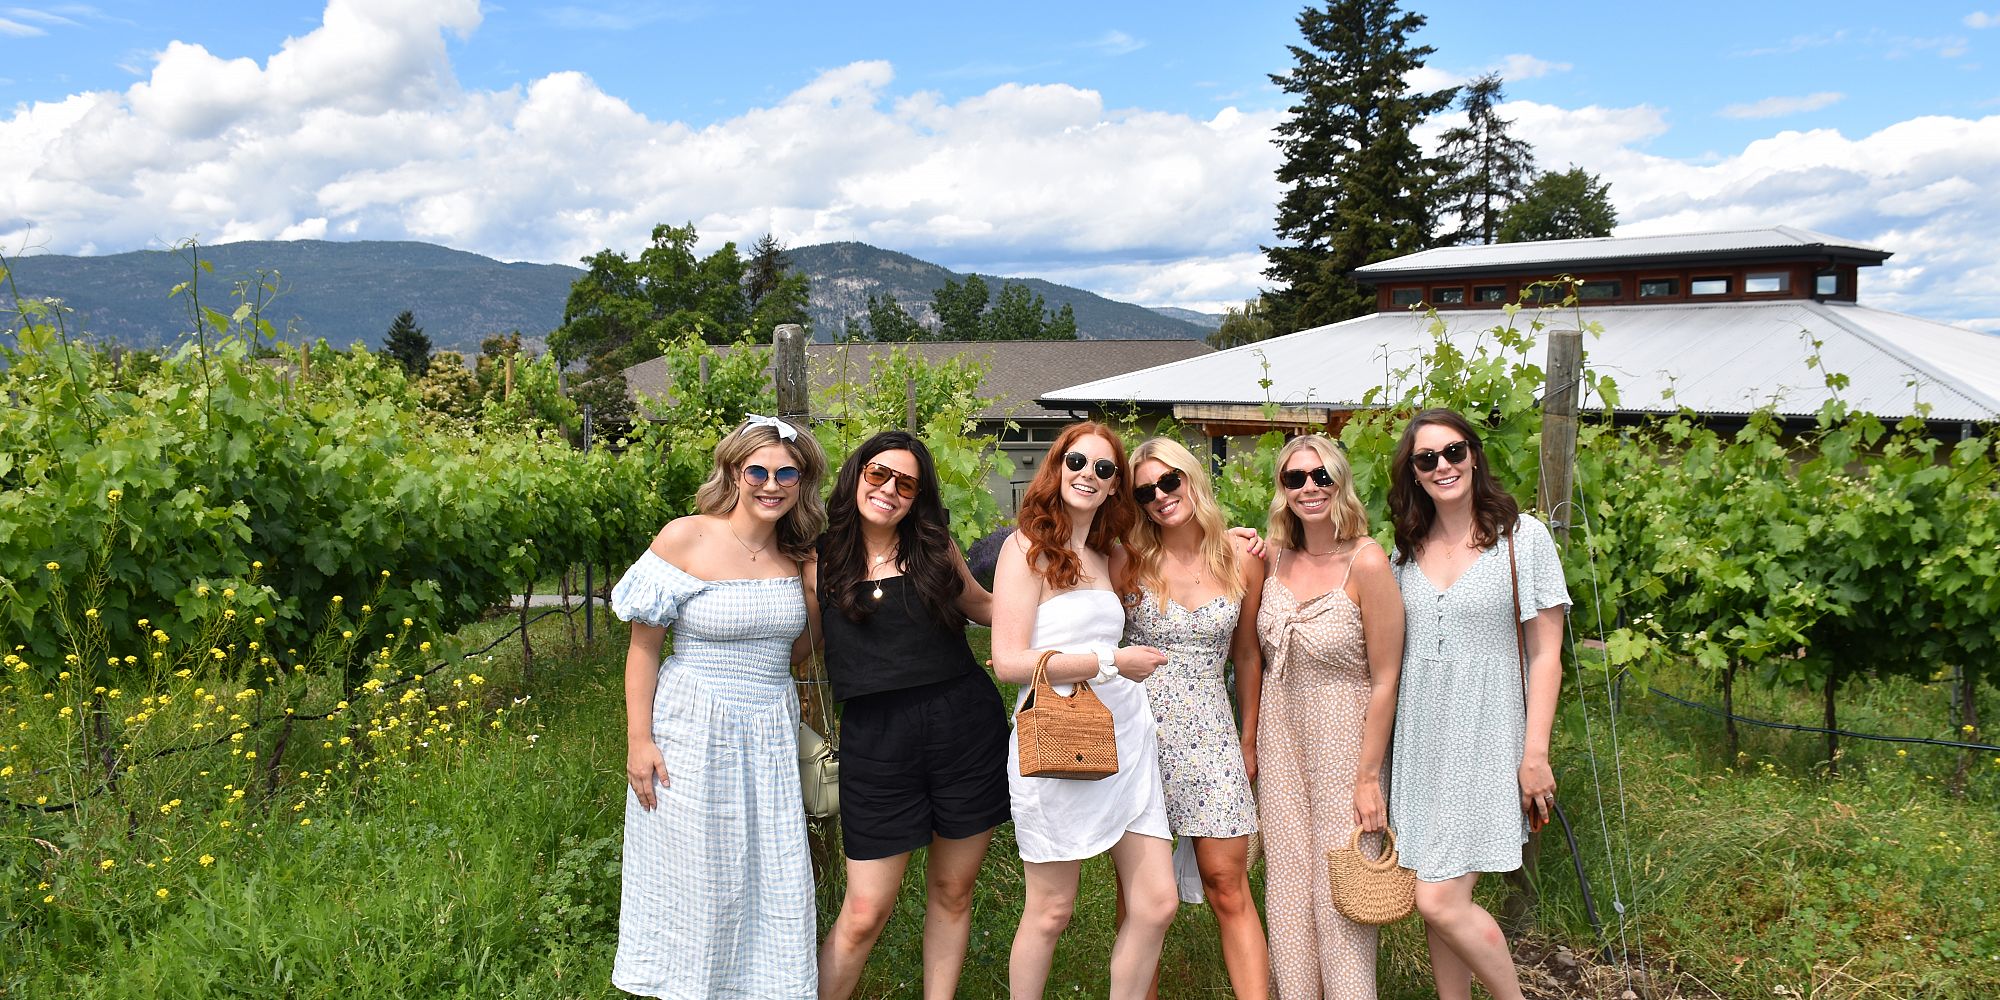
(923,748)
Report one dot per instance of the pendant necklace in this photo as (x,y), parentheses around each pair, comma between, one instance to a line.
(746,545)
(875,563)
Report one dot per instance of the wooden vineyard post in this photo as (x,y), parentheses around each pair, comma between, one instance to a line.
(788,377)
(589,588)
(1559,404)
(910,405)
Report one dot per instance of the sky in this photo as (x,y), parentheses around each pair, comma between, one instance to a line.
(1120,147)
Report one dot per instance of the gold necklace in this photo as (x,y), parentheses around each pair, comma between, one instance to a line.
(746,545)
(1193,569)
(874,563)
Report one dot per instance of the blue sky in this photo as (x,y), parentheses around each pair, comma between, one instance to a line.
(1119,146)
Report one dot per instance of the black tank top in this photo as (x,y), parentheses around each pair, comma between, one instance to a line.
(898,647)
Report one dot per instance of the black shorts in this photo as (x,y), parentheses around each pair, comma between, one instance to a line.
(921,762)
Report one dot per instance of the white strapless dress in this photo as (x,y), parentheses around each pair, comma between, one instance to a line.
(1059,819)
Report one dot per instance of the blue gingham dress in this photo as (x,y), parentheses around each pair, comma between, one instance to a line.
(718,891)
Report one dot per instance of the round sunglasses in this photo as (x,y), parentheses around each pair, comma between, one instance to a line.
(1454,453)
(1296,478)
(1105,468)
(756,475)
(875,474)
(1165,484)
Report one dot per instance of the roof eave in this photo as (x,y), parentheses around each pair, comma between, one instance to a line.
(1375,274)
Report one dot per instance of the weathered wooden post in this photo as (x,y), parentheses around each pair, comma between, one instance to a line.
(788,378)
(1559,403)
(589,591)
(910,405)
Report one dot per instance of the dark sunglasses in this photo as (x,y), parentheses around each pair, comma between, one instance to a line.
(757,475)
(1454,453)
(875,474)
(1105,468)
(1165,484)
(1295,478)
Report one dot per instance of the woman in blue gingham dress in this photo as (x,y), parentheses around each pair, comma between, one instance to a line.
(717,899)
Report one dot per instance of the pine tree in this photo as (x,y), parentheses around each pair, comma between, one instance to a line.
(1489,169)
(406,343)
(1359,188)
(889,322)
(1569,205)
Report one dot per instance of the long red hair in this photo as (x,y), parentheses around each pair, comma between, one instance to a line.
(1044,518)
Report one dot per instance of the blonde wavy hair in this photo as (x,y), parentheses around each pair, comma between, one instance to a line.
(801,525)
(1350,519)
(1145,546)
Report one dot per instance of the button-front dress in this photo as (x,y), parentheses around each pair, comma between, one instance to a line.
(1455,787)
(718,893)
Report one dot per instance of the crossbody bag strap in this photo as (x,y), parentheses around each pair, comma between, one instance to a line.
(820,682)
(1520,627)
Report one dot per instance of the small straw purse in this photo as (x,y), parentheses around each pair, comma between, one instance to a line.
(1060,737)
(1371,891)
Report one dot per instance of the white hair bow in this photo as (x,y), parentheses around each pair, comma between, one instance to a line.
(786,432)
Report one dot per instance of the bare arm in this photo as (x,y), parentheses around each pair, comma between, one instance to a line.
(1017,593)
(1248,656)
(1545,634)
(808,640)
(975,602)
(644,766)
(1381,604)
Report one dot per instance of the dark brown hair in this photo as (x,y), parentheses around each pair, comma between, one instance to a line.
(1044,518)
(923,542)
(1494,510)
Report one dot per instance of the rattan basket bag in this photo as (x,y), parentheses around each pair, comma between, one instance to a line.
(1371,890)
(1060,737)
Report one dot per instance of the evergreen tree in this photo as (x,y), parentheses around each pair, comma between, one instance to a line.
(1061,326)
(406,343)
(1489,170)
(959,308)
(1016,315)
(774,292)
(1358,186)
(1561,206)
(889,322)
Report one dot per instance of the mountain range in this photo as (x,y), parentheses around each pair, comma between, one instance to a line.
(352,291)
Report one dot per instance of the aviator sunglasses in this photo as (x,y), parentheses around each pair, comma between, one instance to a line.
(1454,453)
(1165,484)
(757,475)
(1295,478)
(1105,468)
(875,474)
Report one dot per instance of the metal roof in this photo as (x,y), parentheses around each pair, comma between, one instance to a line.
(1017,371)
(1714,358)
(1551,256)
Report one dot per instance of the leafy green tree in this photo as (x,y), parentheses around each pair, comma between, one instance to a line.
(1061,326)
(406,343)
(889,322)
(1246,325)
(1488,169)
(1561,206)
(449,388)
(1359,187)
(1016,315)
(959,308)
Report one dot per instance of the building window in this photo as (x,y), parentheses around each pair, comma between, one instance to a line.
(1709,286)
(1600,291)
(1490,293)
(1448,296)
(1826,284)
(1014,433)
(1548,294)
(1406,296)
(1768,283)
(1660,288)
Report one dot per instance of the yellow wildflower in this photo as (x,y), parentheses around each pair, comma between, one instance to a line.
(114,495)
(107,864)
(162,893)
(207,859)
(228,593)
(52,566)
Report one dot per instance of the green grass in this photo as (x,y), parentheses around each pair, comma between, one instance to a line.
(497,877)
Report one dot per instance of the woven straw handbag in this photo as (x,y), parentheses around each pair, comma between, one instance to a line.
(1371,891)
(1060,737)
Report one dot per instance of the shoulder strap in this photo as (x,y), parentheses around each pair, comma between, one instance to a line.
(1520,627)
(1351,556)
(816,680)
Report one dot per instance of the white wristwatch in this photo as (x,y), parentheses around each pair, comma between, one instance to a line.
(1107,667)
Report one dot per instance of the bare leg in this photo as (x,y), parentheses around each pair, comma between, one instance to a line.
(1225,880)
(871,896)
(1051,898)
(1465,941)
(1118,921)
(953,865)
(1146,871)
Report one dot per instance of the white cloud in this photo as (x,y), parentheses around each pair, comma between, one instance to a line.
(1981,19)
(1116,43)
(19,29)
(1777,107)
(1520,66)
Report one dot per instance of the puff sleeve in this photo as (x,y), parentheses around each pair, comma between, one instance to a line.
(1541,569)
(652,591)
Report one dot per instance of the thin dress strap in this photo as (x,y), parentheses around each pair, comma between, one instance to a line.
(1351,556)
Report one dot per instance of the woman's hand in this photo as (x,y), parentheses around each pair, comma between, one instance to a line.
(1250,758)
(644,765)
(1538,789)
(1136,663)
(1371,814)
(1248,539)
